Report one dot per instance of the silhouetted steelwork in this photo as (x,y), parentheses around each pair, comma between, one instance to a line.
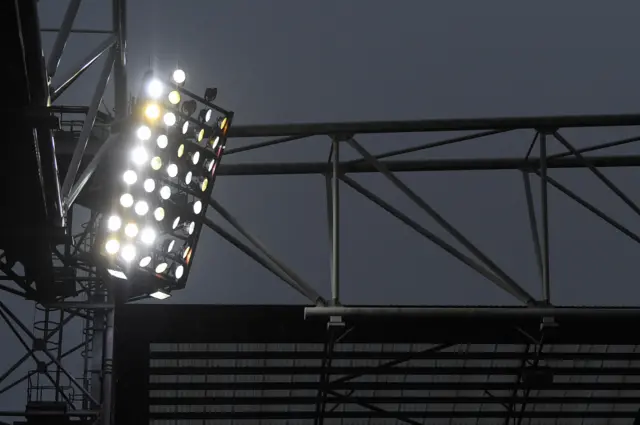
(79,293)
(473,367)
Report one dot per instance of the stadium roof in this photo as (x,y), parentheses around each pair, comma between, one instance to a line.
(257,364)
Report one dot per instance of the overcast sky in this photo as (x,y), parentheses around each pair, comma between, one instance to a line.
(287,61)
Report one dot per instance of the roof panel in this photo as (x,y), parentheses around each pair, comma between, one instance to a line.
(365,382)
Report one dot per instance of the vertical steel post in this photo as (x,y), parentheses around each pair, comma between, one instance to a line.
(121,110)
(545,218)
(119,67)
(335,224)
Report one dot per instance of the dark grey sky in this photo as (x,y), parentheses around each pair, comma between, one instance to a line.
(290,61)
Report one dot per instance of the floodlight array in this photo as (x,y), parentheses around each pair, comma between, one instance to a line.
(164,185)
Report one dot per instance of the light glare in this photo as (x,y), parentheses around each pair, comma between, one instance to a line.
(143,132)
(169,119)
(179,76)
(114,223)
(126,200)
(128,253)
(141,208)
(155,89)
(165,192)
(112,246)
(139,155)
(130,177)
(149,185)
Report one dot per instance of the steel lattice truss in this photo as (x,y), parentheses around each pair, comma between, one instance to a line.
(87,132)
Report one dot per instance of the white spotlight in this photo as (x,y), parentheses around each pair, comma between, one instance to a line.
(195,157)
(165,192)
(139,155)
(126,200)
(172,170)
(155,89)
(169,119)
(141,208)
(161,268)
(148,235)
(179,76)
(114,223)
(185,127)
(117,274)
(145,261)
(197,207)
(149,185)
(112,246)
(191,227)
(162,141)
(128,253)
(131,230)
(179,272)
(143,132)
(188,177)
(130,177)
(159,295)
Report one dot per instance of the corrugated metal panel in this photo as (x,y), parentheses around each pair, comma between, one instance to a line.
(475,394)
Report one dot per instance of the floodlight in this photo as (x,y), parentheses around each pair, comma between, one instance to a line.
(202,182)
(168,245)
(174,97)
(112,246)
(179,271)
(205,115)
(197,207)
(222,123)
(159,295)
(161,187)
(114,223)
(209,164)
(179,76)
(162,141)
(158,214)
(165,192)
(149,185)
(148,235)
(130,177)
(172,170)
(169,119)
(152,111)
(141,208)
(128,253)
(161,268)
(189,107)
(139,155)
(143,132)
(210,94)
(145,261)
(156,163)
(131,230)
(155,88)
(126,200)
(117,274)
